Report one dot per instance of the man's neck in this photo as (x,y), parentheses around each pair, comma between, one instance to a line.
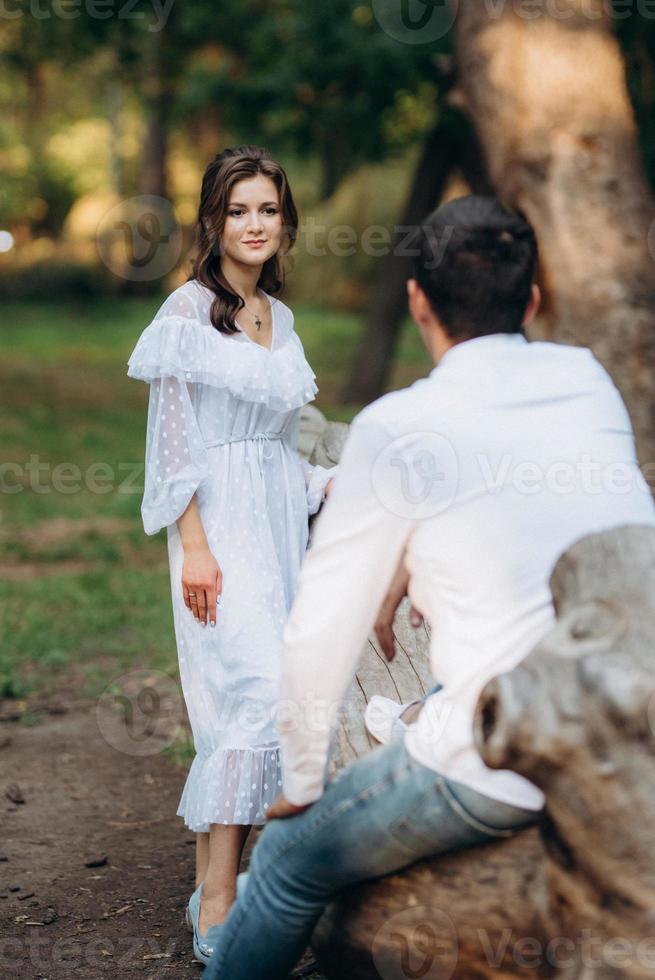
(440,344)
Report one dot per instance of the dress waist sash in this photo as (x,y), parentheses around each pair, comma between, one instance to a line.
(263,440)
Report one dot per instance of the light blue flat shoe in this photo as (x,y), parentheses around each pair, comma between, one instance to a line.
(241,884)
(193,908)
(203,943)
(204,949)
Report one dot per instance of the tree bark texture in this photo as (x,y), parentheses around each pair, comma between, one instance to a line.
(545,86)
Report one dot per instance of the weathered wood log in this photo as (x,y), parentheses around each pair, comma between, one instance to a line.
(574,898)
(320,441)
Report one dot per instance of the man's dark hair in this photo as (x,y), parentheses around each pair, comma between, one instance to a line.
(475,264)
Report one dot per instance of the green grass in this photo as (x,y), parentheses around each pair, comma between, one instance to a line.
(84,593)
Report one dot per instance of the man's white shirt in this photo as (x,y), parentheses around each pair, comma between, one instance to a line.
(484,473)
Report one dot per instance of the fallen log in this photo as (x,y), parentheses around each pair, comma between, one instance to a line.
(575,897)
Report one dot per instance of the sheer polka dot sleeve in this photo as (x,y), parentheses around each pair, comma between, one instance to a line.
(316,479)
(176,459)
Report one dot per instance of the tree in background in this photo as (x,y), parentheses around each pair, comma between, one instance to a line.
(316,81)
(549,101)
(450,147)
(30,51)
(545,97)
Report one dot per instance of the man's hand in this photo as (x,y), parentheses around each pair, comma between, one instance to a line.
(282,809)
(384,622)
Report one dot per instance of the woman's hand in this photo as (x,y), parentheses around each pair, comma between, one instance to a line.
(202,584)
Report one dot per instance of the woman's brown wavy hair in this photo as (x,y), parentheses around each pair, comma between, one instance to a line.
(224,171)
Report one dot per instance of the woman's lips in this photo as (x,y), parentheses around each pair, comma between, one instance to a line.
(254,244)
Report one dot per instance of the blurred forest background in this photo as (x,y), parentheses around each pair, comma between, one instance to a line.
(378,111)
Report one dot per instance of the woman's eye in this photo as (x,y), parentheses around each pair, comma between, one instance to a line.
(238,213)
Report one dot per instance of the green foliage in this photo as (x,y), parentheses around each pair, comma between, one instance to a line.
(56,277)
(318,79)
(35,187)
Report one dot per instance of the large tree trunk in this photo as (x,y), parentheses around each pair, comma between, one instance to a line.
(546,91)
(160,79)
(115,103)
(335,161)
(447,148)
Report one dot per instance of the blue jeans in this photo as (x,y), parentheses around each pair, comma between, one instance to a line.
(378,815)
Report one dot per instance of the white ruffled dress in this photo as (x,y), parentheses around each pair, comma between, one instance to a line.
(223,422)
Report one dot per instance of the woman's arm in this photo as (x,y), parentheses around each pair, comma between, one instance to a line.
(202,579)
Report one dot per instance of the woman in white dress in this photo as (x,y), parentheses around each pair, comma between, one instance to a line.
(228,378)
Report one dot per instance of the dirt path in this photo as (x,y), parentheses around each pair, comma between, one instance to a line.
(95,868)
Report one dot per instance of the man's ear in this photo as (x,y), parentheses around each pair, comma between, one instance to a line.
(534,303)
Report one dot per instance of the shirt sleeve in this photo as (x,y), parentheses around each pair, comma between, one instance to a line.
(316,476)
(358,541)
(176,462)
(316,479)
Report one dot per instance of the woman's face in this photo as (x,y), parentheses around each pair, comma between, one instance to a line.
(253,224)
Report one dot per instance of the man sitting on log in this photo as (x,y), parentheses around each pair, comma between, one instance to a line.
(484,472)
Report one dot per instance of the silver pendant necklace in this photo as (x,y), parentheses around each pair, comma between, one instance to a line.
(258,319)
(258,322)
